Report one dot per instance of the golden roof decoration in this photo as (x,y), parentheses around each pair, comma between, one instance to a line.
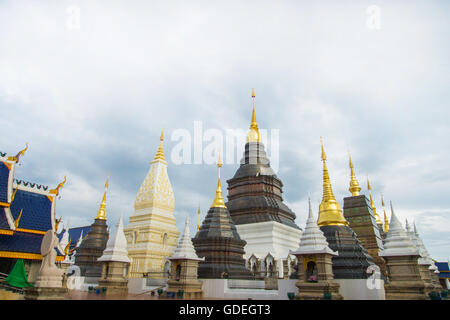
(102,210)
(377,216)
(354,184)
(218,200)
(330,212)
(253,135)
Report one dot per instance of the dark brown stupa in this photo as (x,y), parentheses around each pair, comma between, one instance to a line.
(219,243)
(95,243)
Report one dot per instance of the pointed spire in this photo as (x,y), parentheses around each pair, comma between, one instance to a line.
(397,242)
(415,228)
(386,221)
(102,211)
(375,213)
(198,217)
(312,240)
(160,152)
(218,200)
(116,247)
(253,135)
(354,184)
(330,212)
(185,249)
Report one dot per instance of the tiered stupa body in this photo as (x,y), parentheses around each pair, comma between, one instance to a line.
(425,262)
(115,262)
(218,241)
(152,234)
(91,248)
(405,281)
(256,206)
(314,264)
(358,211)
(353,259)
(184,271)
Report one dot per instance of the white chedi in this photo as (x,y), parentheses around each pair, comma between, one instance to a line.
(116,247)
(313,240)
(424,258)
(397,242)
(185,250)
(428,258)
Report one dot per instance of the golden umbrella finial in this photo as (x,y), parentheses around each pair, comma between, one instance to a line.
(218,200)
(375,213)
(354,184)
(160,152)
(198,217)
(330,212)
(102,210)
(253,134)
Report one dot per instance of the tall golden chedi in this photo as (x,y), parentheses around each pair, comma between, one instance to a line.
(363,220)
(152,234)
(353,259)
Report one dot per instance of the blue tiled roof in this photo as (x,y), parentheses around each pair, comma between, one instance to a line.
(36,210)
(21,242)
(4,177)
(74,235)
(3,221)
(442,266)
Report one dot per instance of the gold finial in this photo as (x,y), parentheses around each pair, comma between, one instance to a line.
(198,217)
(60,185)
(67,248)
(57,223)
(386,221)
(16,223)
(354,184)
(375,213)
(218,200)
(20,153)
(253,135)
(14,195)
(330,212)
(102,211)
(160,152)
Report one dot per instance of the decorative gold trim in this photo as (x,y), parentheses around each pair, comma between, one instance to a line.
(25,255)
(30,231)
(8,165)
(6,232)
(5,204)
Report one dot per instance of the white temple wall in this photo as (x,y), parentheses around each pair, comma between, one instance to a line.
(360,289)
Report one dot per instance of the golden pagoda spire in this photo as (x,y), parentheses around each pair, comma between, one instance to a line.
(330,213)
(386,221)
(377,216)
(354,184)
(253,135)
(198,217)
(102,211)
(160,152)
(218,200)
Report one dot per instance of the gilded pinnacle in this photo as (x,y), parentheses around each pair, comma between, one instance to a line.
(218,200)
(102,210)
(354,184)
(253,135)
(160,152)
(377,216)
(330,212)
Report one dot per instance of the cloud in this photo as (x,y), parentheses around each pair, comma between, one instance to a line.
(93,100)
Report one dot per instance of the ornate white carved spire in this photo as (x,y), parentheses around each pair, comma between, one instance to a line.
(425,255)
(312,239)
(397,242)
(185,249)
(116,247)
(156,190)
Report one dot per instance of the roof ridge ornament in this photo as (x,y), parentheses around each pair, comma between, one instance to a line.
(16,158)
(60,185)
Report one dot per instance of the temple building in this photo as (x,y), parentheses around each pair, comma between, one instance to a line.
(218,241)
(256,206)
(27,212)
(152,234)
(364,220)
(353,259)
(92,247)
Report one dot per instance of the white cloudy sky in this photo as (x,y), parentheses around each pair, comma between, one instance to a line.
(93,100)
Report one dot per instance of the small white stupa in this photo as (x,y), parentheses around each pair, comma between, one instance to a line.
(65,238)
(116,247)
(425,251)
(397,242)
(312,239)
(425,258)
(185,248)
